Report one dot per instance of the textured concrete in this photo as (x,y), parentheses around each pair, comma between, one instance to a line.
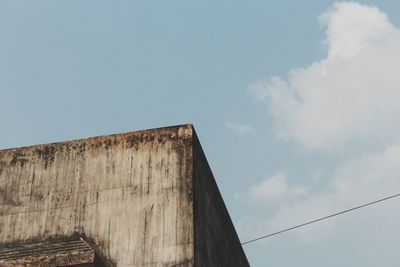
(130,195)
(55,252)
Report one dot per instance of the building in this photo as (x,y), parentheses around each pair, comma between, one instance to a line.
(145,198)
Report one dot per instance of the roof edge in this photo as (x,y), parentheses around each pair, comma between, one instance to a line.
(182,131)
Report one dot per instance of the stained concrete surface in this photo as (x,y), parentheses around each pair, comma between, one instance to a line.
(145,198)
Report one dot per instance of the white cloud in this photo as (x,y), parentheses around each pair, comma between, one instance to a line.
(357,181)
(350,97)
(240,129)
(348,100)
(351,27)
(275,188)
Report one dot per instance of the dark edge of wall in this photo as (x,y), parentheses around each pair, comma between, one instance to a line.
(216,241)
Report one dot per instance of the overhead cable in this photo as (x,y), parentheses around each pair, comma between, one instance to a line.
(320,219)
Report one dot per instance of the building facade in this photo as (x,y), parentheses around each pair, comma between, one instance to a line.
(145,198)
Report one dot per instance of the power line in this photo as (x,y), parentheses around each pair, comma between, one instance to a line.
(320,219)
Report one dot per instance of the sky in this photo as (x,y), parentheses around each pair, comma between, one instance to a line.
(295,104)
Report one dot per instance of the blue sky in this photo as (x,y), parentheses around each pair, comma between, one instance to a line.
(295,110)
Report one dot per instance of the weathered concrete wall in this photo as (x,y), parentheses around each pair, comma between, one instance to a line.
(130,194)
(216,241)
